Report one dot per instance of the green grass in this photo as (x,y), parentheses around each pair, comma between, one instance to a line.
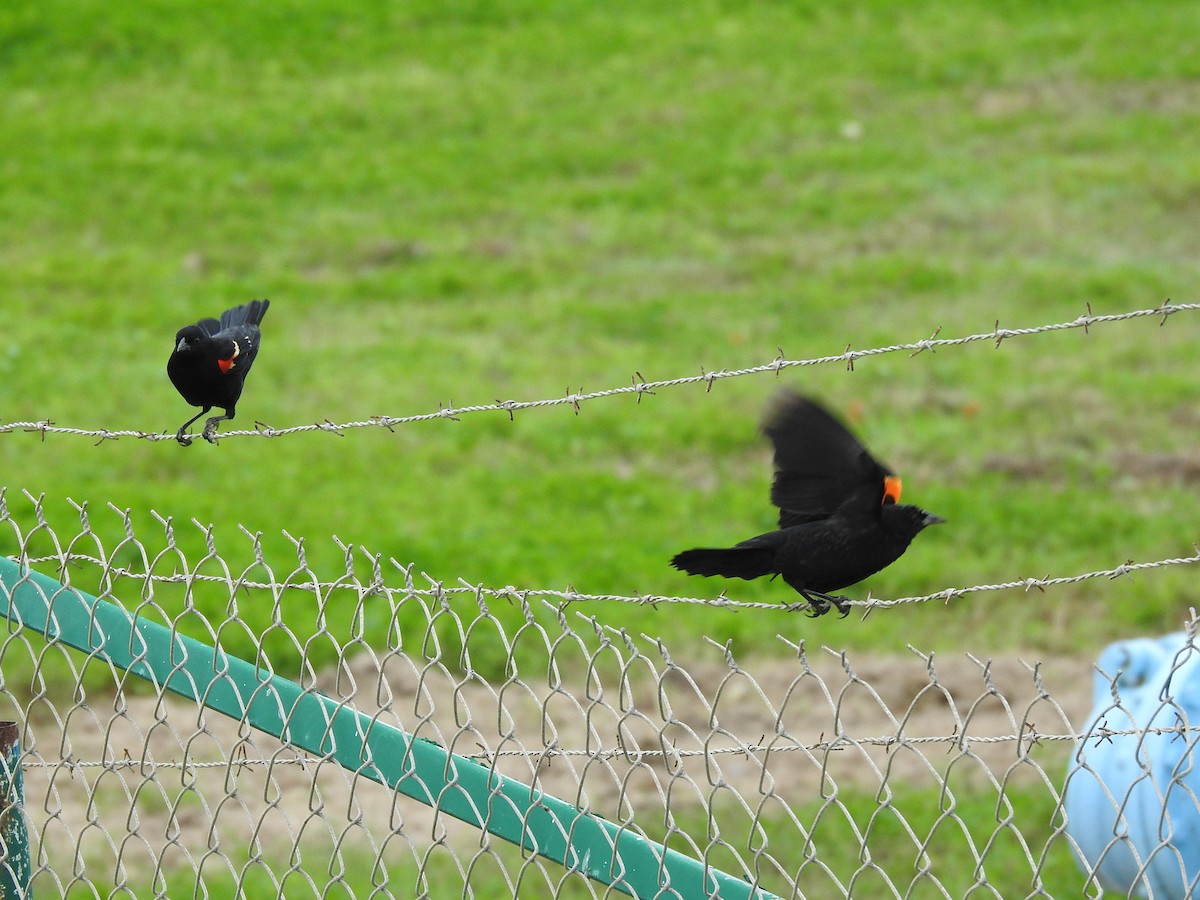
(459,207)
(951,829)
(510,199)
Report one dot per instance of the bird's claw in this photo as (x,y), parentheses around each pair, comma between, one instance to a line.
(810,608)
(185,440)
(819,604)
(842,604)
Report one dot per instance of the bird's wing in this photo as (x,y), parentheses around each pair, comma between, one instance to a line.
(246,339)
(210,326)
(820,466)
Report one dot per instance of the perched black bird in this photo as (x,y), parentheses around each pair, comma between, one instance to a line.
(839,520)
(211,360)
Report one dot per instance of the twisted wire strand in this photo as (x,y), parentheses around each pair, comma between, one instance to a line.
(841,742)
(566,597)
(638,387)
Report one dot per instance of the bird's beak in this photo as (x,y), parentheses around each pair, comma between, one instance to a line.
(181,346)
(931,519)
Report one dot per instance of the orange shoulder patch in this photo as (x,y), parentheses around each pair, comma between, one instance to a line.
(891,489)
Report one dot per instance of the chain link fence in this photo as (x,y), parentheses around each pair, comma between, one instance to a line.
(550,757)
(207,717)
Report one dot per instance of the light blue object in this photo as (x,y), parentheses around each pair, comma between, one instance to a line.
(1133,800)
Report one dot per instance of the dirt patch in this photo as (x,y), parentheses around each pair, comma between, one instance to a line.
(154,784)
(1177,468)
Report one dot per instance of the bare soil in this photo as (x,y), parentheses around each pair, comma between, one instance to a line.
(121,788)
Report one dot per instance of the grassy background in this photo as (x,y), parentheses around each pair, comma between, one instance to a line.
(507,199)
(1008,868)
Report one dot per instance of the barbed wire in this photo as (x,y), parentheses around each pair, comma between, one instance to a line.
(887,742)
(639,386)
(68,558)
(564,598)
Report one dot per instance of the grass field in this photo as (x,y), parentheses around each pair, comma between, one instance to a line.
(509,200)
(1008,869)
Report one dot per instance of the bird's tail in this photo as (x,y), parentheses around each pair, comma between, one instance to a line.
(247,314)
(735,562)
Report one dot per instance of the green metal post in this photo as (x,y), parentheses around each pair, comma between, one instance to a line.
(15,870)
(453,784)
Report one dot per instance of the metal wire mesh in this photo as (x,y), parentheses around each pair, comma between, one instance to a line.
(804,773)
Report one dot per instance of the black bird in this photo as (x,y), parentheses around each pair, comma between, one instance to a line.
(211,360)
(839,520)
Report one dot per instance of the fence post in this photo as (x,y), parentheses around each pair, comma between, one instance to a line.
(15,870)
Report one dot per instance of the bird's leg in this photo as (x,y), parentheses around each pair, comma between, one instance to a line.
(820,602)
(184,438)
(210,426)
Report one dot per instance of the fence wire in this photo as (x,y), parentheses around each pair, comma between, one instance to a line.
(810,773)
(439,590)
(639,386)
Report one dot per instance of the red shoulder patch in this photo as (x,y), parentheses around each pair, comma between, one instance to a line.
(226,364)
